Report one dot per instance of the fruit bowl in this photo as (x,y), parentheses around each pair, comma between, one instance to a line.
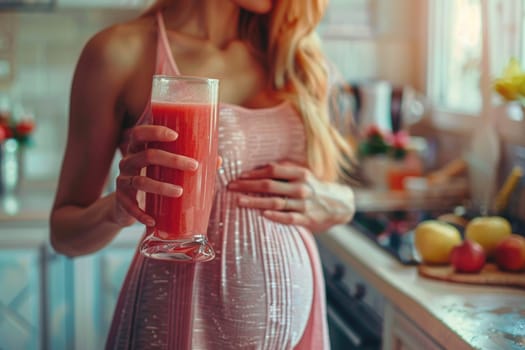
(393,230)
(490,275)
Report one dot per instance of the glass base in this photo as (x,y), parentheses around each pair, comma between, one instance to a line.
(191,249)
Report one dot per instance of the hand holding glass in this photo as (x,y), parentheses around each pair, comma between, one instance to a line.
(188,105)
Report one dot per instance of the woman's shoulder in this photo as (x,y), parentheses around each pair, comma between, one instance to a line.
(122,45)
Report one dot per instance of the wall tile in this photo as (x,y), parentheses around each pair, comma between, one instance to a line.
(44,47)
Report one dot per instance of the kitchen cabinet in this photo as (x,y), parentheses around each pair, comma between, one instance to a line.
(400,333)
(354,308)
(49,301)
(34,308)
(417,312)
(20,302)
(396,331)
(97,282)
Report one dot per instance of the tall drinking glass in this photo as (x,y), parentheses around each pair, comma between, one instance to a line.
(187,105)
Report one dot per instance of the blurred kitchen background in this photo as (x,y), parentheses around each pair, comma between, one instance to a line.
(424,67)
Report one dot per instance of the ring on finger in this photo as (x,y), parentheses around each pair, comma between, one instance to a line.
(285,203)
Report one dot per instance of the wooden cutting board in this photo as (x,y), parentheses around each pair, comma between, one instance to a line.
(489,275)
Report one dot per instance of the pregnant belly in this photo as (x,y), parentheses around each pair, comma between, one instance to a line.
(258,291)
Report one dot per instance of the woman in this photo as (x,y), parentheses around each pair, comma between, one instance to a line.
(277,183)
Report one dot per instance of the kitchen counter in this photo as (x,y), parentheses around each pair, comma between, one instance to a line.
(31,208)
(444,196)
(35,199)
(455,316)
(32,204)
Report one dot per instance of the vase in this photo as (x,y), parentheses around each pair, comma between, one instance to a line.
(375,170)
(11,167)
(388,174)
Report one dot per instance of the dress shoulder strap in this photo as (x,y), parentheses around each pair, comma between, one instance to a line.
(164,64)
(165,61)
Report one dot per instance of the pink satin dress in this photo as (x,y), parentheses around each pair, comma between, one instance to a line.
(264,289)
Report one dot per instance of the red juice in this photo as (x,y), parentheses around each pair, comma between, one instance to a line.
(188,215)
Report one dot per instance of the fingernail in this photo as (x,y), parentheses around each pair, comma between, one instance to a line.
(171,134)
(194,165)
(243,201)
(150,222)
(233,186)
(175,191)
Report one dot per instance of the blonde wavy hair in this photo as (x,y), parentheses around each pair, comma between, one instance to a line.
(286,43)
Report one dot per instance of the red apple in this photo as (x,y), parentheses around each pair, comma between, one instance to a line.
(510,253)
(468,257)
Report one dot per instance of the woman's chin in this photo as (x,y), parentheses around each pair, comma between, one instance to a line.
(256,6)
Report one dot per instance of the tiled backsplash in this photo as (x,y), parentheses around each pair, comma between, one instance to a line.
(46,46)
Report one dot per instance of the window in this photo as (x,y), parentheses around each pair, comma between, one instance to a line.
(457,65)
(470,41)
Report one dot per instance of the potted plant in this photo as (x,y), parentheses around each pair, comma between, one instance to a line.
(15,136)
(386,158)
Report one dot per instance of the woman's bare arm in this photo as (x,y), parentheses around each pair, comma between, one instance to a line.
(82,222)
(104,89)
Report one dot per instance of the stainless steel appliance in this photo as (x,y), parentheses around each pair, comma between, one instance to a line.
(354,308)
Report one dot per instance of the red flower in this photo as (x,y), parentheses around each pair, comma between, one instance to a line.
(400,139)
(25,127)
(374,130)
(5,132)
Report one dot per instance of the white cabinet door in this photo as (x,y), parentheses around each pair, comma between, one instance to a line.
(35,302)
(97,281)
(59,294)
(399,333)
(49,301)
(20,303)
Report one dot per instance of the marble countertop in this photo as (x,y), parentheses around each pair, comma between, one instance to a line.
(433,198)
(456,316)
(34,201)
(31,204)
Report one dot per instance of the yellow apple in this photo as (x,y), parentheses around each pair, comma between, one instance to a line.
(434,241)
(488,231)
